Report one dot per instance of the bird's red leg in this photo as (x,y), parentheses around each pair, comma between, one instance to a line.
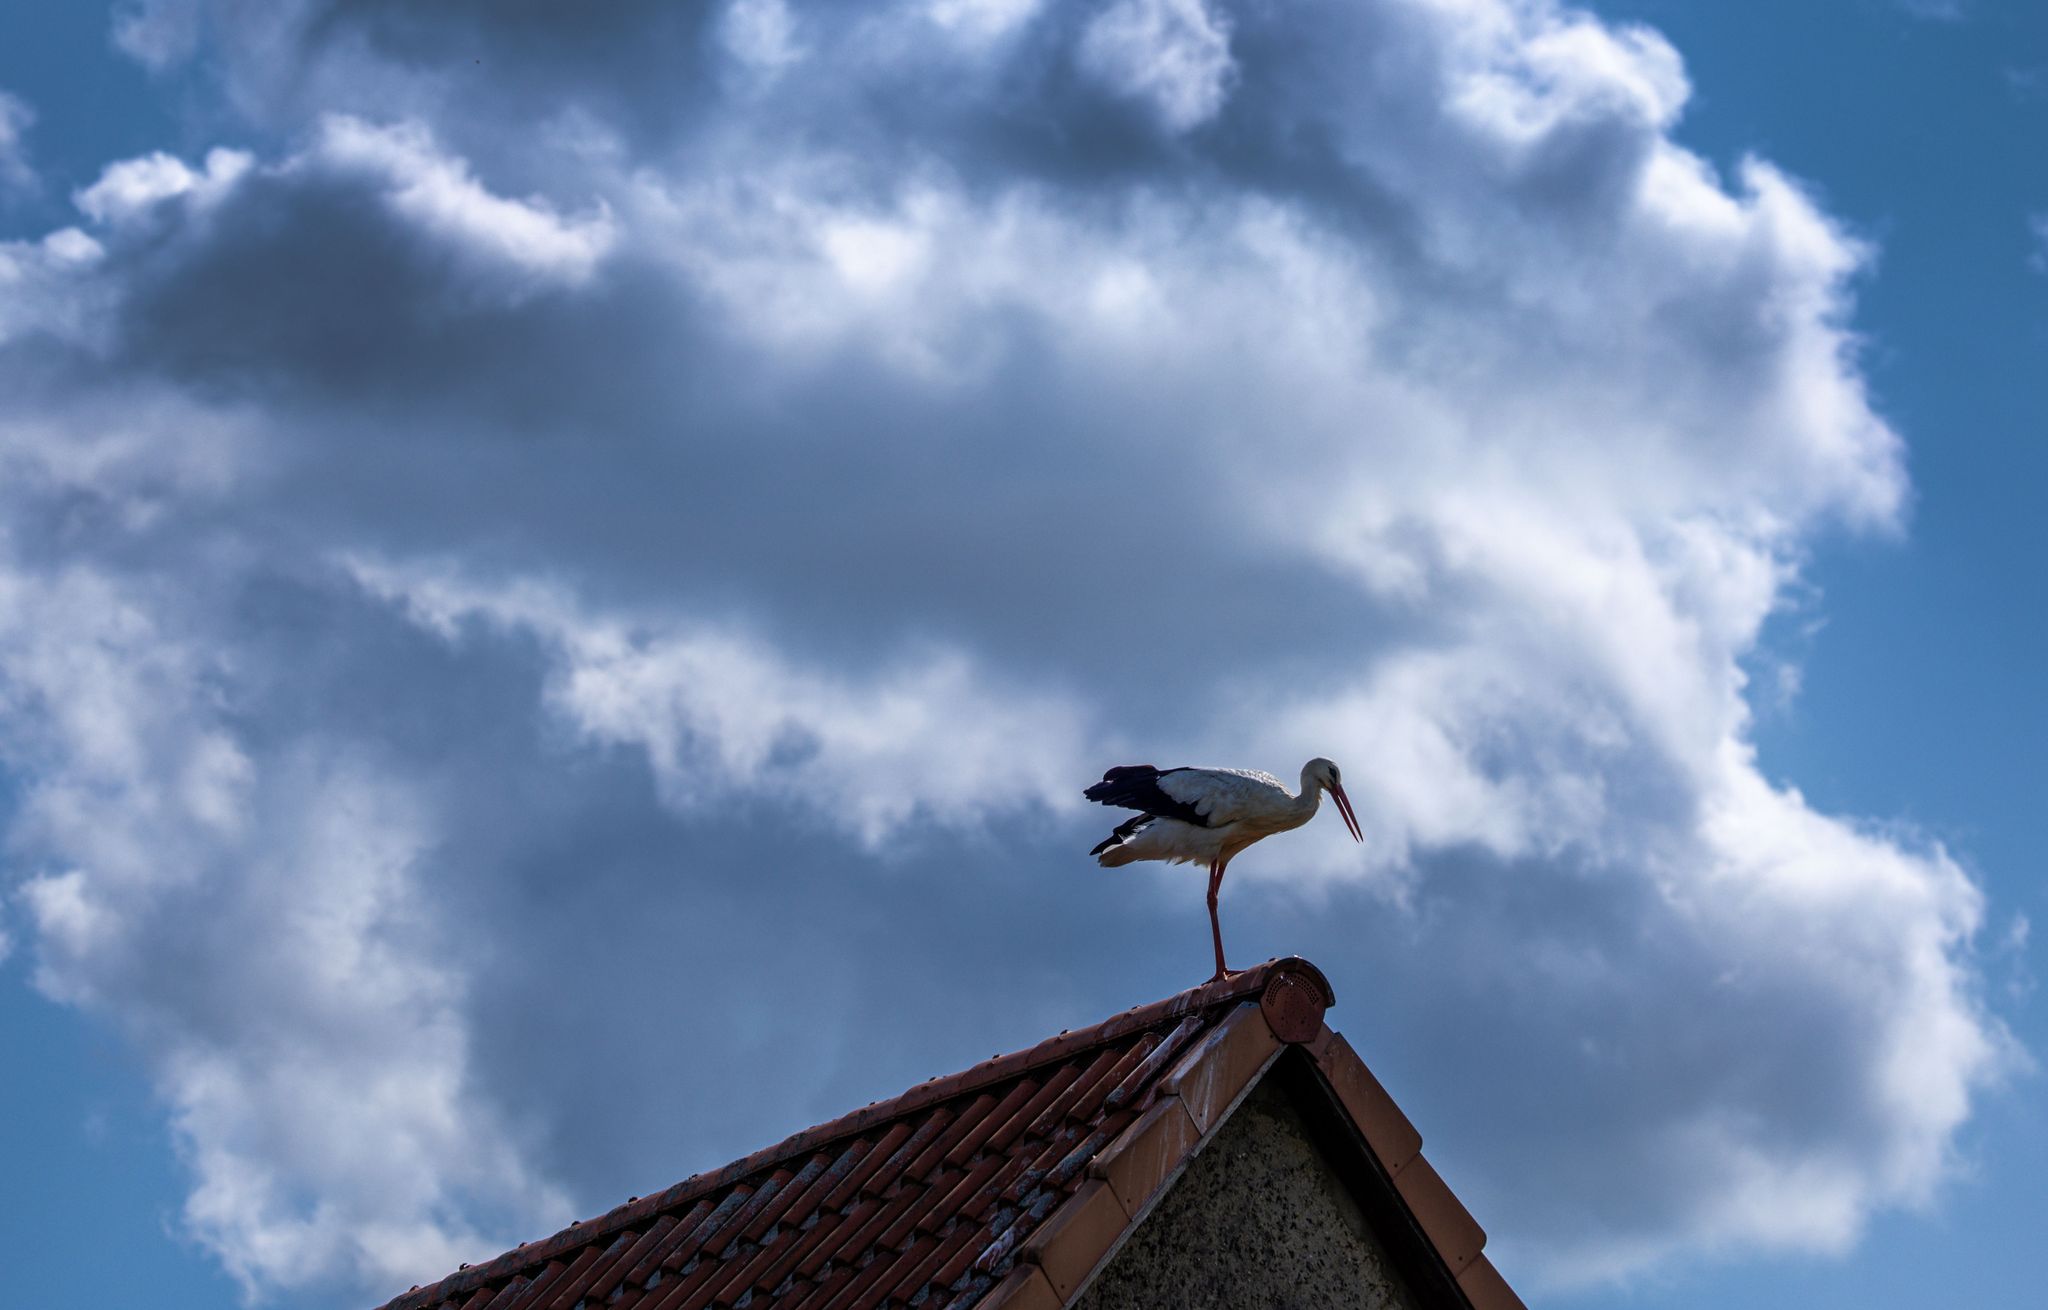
(1216,925)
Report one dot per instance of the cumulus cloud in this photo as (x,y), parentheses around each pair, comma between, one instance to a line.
(719,712)
(157,33)
(132,188)
(436,192)
(1173,54)
(43,282)
(761,33)
(525,543)
(980,22)
(250,918)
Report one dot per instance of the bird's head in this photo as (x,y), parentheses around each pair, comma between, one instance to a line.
(1324,773)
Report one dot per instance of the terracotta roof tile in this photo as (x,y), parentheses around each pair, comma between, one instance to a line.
(998,1115)
(1004,1184)
(1026,1289)
(614,1270)
(1393,1139)
(1068,1246)
(1221,1065)
(1148,1154)
(1451,1227)
(1486,1289)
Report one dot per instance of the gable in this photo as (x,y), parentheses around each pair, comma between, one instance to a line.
(1261,1217)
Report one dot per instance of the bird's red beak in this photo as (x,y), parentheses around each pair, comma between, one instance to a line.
(1344,808)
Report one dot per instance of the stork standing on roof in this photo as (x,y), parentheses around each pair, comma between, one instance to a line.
(1206,816)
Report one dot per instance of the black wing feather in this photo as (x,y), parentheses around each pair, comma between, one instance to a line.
(1136,787)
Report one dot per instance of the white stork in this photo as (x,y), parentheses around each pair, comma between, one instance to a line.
(1208,815)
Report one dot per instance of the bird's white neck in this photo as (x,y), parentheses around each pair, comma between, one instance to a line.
(1310,798)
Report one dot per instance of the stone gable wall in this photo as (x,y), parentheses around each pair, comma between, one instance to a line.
(1260,1221)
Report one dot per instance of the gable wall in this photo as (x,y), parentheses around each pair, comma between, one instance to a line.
(1260,1221)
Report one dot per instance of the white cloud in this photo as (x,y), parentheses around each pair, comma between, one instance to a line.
(761,33)
(133,188)
(1522,81)
(980,23)
(353,1142)
(903,471)
(721,714)
(158,34)
(421,186)
(251,920)
(435,190)
(42,284)
(1173,54)
(15,119)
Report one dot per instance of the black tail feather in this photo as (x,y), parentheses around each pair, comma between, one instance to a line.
(1124,831)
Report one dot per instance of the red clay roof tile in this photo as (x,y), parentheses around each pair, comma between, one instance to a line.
(1151,1151)
(1486,1289)
(1025,1289)
(1393,1139)
(1451,1227)
(1070,1243)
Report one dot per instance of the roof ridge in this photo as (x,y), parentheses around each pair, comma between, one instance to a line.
(1249,983)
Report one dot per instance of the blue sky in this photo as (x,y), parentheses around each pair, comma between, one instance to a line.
(502,517)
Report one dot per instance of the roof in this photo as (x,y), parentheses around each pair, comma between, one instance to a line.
(1005,1185)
